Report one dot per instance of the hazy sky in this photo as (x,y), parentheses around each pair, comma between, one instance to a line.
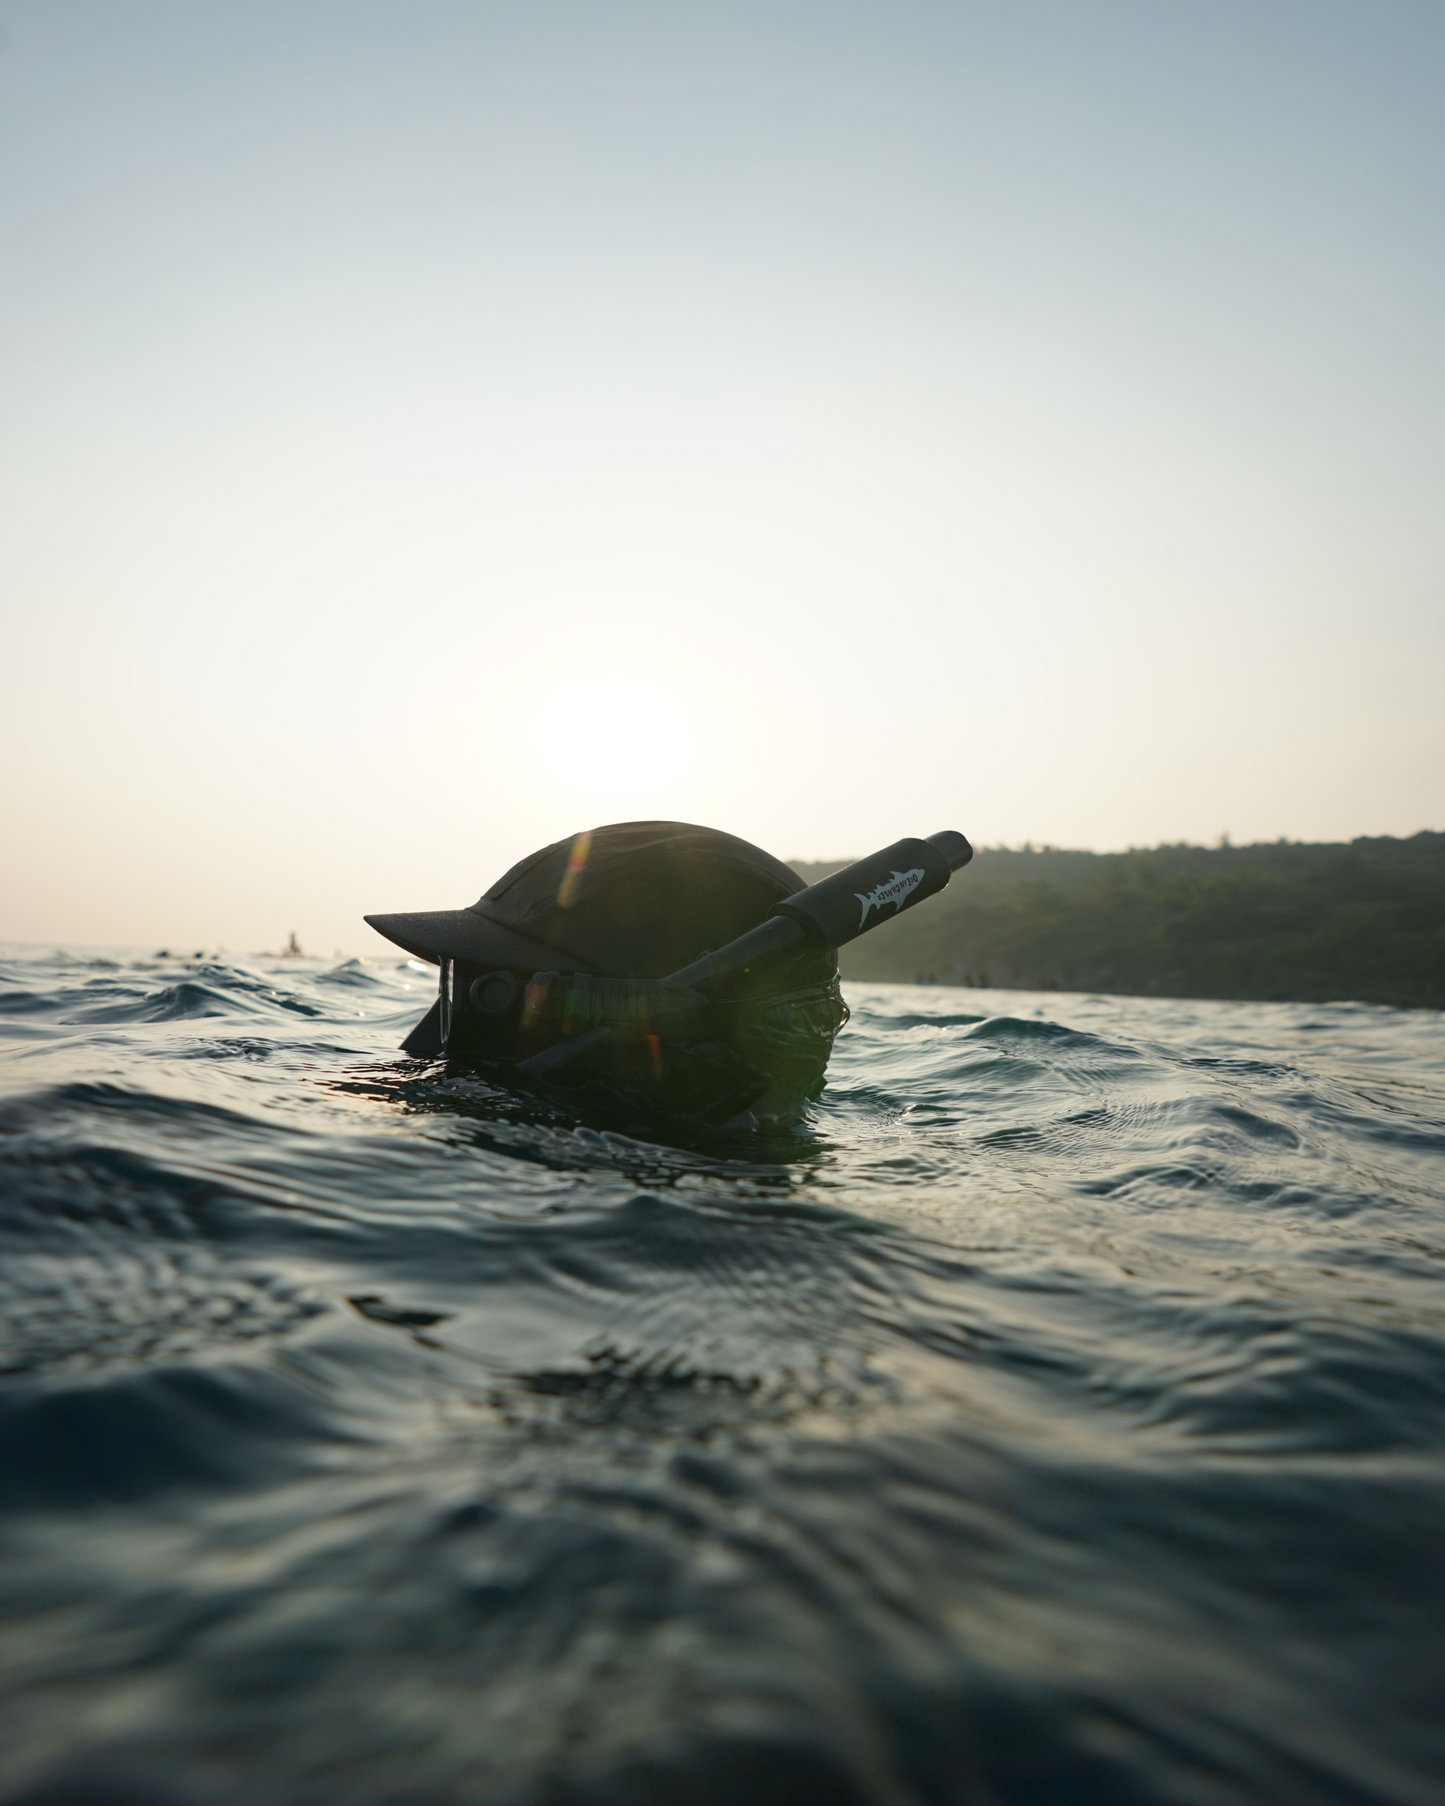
(427,429)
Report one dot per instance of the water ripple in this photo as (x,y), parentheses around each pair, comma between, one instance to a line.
(1056,1416)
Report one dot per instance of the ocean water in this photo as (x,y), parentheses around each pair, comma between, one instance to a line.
(1057,1418)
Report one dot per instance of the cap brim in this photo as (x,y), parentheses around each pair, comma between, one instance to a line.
(438,934)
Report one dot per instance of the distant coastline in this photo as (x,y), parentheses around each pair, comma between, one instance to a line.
(1360,921)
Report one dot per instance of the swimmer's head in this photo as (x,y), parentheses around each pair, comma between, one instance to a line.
(578,934)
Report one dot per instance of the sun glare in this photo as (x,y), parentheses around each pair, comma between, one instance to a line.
(617,745)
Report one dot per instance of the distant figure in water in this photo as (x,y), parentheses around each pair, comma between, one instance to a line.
(577,936)
(293,948)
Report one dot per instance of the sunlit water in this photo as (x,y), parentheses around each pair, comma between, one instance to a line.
(1057,1419)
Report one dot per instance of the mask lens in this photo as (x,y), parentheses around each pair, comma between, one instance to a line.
(485,1007)
(493,994)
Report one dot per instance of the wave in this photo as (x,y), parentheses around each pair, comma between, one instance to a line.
(1055,1415)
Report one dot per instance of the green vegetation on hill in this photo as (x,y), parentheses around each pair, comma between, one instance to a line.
(1363,921)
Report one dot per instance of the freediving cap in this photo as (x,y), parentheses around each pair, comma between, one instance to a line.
(634,900)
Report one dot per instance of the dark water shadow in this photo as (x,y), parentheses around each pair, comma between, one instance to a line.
(530,1126)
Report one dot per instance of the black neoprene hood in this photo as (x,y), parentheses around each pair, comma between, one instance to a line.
(632,900)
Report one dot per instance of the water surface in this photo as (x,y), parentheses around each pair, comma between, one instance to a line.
(1056,1418)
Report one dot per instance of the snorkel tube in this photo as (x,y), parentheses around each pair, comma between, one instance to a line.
(828,914)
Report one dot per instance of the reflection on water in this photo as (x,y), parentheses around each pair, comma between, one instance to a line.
(1056,1417)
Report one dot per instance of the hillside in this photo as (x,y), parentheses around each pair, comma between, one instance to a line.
(1279,920)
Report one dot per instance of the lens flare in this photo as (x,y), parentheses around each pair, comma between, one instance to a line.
(576,865)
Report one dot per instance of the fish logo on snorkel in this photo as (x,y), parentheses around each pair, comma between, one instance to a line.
(899,886)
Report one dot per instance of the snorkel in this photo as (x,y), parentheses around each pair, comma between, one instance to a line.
(828,914)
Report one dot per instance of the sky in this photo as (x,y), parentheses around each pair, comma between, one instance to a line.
(429,429)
